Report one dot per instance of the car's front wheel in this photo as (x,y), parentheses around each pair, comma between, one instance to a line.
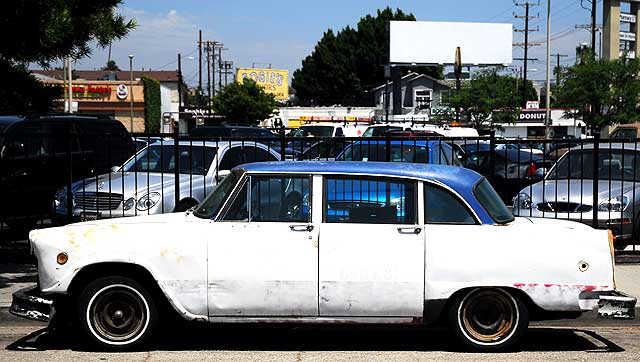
(488,319)
(117,313)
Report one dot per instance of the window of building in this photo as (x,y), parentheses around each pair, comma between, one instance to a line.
(423,99)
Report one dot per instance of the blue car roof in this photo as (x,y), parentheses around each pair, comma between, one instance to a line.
(460,179)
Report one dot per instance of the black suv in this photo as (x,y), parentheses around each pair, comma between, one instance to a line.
(39,155)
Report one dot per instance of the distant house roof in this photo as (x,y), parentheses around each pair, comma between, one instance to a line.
(411,76)
(159,75)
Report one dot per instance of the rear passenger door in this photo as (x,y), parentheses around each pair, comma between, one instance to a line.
(371,251)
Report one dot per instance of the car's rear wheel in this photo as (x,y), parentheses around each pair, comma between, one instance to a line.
(117,313)
(488,319)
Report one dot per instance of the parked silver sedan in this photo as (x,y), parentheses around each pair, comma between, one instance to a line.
(146,184)
(567,190)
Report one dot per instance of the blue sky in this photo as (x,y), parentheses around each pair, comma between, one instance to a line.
(283,32)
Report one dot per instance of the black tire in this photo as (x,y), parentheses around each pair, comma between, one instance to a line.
(117,313)
(185,205)
(488,319)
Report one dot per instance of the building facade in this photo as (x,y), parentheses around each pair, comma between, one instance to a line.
(114,94)
(420,94)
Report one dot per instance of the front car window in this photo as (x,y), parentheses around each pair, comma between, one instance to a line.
(368,200)
(493,205)
(273,199)
(613,164)
(211,205)
(313,131)
(194,160)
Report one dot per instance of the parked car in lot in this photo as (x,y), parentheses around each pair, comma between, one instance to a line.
(567,190)
(146,183)
(511,170)
(141,142)
(38,155)
(418,151)
(326,150)
(327,242)
(252,134)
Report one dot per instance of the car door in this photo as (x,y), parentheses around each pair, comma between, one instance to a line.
(263,253)
(451,227)
(371,248)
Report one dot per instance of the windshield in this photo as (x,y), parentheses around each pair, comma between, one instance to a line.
(613,164)
(379,131)
(378,152)
(493,205)
(312,131)
(625,133)
(194,160)
(212,203)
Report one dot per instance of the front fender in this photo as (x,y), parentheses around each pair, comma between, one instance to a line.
(167,246)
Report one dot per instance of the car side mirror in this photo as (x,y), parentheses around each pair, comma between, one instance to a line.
(115,168)
(541,172)
(222,174)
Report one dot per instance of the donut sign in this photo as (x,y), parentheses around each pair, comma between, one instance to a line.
(122,92)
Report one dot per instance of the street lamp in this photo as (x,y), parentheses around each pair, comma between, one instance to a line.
(131,89)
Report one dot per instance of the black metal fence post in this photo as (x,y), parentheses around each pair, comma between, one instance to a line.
(176,156)
(283,144)
(492,153)
(594,202)
(387,136)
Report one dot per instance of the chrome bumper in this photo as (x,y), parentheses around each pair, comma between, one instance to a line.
(616,305)
(31,304)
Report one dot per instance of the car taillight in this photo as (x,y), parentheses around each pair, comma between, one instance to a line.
(531,170)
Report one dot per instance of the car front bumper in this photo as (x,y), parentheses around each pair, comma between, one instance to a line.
(30,303)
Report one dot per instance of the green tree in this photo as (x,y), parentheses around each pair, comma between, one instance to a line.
(245,103)
(488,99)
(152,106)
(43,32)
(345,65)
(602,92)
(111,66)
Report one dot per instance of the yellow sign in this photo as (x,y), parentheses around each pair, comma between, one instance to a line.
(273,81)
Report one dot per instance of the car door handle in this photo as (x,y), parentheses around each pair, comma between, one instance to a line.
(301,227)
(410,230)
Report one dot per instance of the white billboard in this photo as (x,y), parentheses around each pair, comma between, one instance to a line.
(430,42)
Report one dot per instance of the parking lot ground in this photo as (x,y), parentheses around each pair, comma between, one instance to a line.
(24,342)
(586,338)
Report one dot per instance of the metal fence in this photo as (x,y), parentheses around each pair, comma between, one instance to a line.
(49,179)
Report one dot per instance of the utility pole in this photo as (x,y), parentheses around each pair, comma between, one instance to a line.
(179,81)
(547,104)
(200,63)
(527,5)
(208,49)
(593,28)
(558,56)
